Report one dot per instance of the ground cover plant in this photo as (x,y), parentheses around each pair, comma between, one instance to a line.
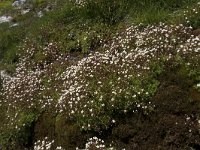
(81,77)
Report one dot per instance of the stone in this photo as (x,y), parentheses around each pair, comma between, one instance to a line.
(5,19)
(18,3)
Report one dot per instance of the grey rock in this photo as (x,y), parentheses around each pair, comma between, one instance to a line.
(18,3)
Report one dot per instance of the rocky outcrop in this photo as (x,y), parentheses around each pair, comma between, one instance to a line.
(5,19)
(18,3)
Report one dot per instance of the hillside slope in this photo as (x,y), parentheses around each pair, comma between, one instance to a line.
(100,75)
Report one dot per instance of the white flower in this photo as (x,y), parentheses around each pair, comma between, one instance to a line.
(113,121)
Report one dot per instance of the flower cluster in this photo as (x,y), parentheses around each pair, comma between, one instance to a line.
(95,143)
(45,144)
(79,3)
(191,15)
(92,88)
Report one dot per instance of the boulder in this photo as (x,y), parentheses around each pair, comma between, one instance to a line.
(5,19)
(18,3)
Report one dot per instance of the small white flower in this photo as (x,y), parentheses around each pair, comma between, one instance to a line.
(113,121)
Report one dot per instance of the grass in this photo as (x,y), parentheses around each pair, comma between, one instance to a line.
(5,6)
(64,19)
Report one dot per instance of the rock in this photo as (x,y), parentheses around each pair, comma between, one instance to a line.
(47,8)
(18,3)
(4,75)
(40,14)
(25,11)
(14,25)
(5,19)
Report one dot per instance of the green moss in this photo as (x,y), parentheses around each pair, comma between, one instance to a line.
(64,130)
(19,134)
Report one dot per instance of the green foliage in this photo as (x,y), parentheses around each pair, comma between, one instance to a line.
(155,11)
(66,19)
(194,73)
(38,3)
(106,11)
(193,17)
(157,67)
(5,6)
(9,38)
(82,29)
(18,134)
(146,11)
(136,91)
